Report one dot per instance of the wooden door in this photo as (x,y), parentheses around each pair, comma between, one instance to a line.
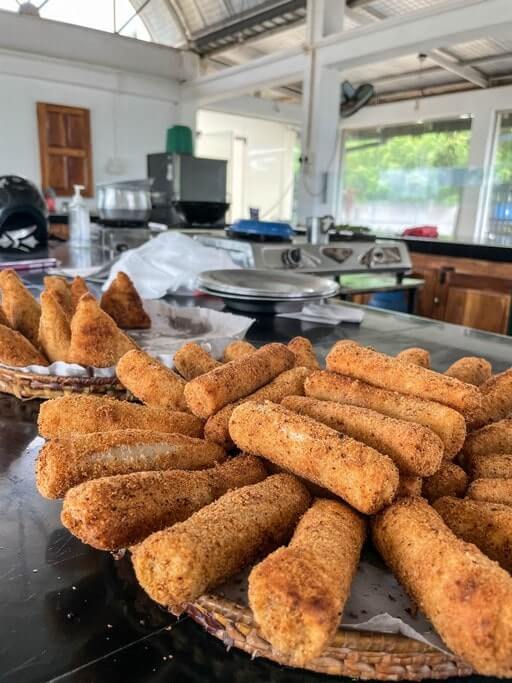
(65,148)
(482,310)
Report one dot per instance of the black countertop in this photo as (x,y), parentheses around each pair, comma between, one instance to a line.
(71,613)
(484,251)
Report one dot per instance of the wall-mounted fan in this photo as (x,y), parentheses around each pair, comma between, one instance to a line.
(352,99)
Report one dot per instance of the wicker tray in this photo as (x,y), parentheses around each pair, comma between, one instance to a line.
(356,654)
(27,385)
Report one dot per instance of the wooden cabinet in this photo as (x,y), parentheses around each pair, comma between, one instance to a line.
(65,148)
(467,292)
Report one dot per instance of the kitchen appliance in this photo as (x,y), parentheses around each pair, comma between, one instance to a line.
(298,255)
(264,291)
(124,203)
(23,216)
(187,189)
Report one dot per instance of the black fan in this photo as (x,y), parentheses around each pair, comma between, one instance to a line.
(352,99)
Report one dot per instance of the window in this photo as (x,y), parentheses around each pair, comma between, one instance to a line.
(406,175)
(498,224)
(65,148)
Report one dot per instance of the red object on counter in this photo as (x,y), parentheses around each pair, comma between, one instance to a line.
(421,231)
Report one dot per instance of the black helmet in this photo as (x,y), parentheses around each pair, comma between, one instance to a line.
(23,215)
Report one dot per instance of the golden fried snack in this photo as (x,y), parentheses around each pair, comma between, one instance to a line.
(207,394)
(54,329)
(497,400)
(150,381)
(289,383)
(451,480)
(366,479)
(470,369)
(304,353)
(85,414)
(17,351)
(191,361)
(236,349)
(297,593)
(177,565)
(445,422)
(124,305)
(116,512)
(71,459)
(96,340)
(60,288)
(416,356)
(491,490)
(415,449)
(3,318)
(494,438)
(487,525)
(409,486)
(386,372)
(489,466)
(78,289)
(466,596)
(19,306)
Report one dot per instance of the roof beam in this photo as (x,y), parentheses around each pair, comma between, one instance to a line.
(436,27)
(441,26)
(468,73)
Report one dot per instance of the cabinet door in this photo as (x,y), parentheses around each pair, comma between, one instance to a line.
(480,309)
(65,148)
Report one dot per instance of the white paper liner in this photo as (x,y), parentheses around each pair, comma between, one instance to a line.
(377,603)
(171,327)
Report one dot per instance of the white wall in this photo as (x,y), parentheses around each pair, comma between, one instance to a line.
(131,106)
(127,123)
(261,161)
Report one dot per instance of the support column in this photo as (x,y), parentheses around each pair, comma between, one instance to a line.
(475,192)
(320,115)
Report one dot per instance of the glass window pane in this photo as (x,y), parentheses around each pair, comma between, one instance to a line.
(498,226)
(10,5)
(406,175)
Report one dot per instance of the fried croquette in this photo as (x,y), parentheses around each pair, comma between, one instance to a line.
(236,349)
(489,466)
(304,353)
(470,369)
(191,361)
(360,475)
(207,394)
(416,356)
(487,525)
(445,422)
(386,372)
(409,486)
(491,490)
(415,449)
(494,438)
(150,381)
(297,593)
(71,459)
(288,383)
(466,596)
(496,401)
(84,414)
(116,512)
(450,480)
(179,564)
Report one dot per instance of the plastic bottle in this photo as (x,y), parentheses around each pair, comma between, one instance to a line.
(79,220)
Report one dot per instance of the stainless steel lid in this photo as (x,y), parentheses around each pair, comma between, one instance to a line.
(266,284)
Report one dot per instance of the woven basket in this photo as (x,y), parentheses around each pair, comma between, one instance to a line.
(356,654)
(28,385)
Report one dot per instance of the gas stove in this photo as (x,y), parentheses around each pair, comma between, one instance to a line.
(354,256)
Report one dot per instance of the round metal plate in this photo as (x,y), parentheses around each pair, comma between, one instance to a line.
(268,284)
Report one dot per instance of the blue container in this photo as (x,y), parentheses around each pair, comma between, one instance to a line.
(247,227)
(391,301)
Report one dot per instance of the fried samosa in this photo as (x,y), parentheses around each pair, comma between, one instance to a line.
(19,306)
(54,328)
(124,305)
(60,288)
(96,340)
(17,351)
